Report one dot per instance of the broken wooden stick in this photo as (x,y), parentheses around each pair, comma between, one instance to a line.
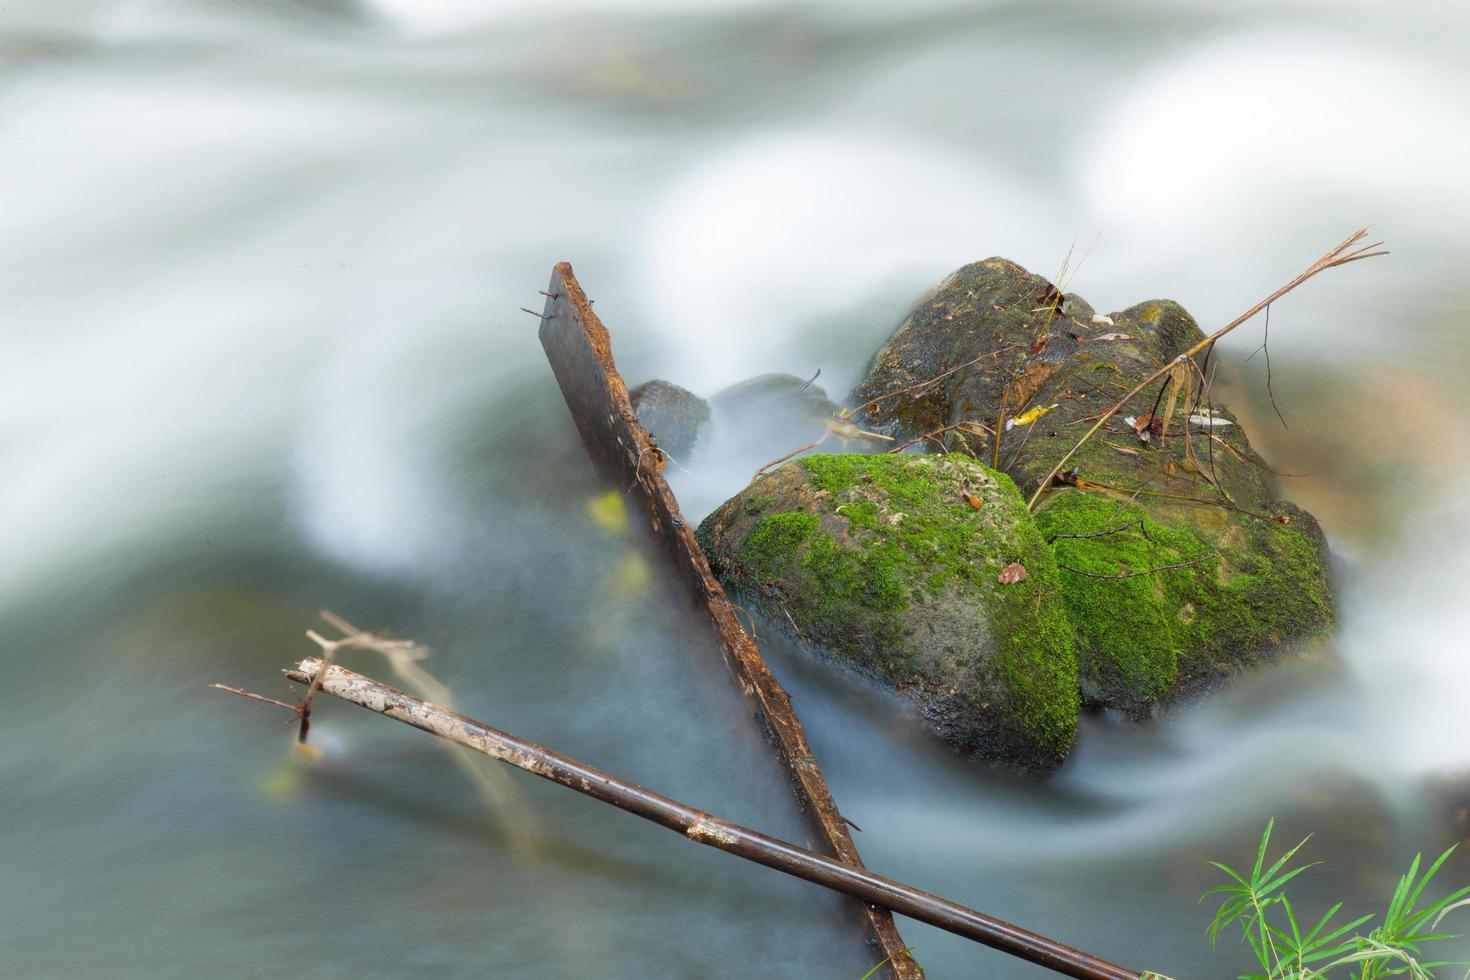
(580,352)
(704,828)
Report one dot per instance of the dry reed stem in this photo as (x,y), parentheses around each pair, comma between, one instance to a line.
(1341,255)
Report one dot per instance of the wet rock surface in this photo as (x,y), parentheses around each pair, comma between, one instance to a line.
(782,395)
(770,415)
(672,415)
(893,564)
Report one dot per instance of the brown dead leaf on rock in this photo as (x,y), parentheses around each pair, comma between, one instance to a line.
(1013,573)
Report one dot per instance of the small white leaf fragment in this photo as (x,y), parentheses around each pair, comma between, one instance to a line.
(1113,336)
(1208,421)
(1105,321)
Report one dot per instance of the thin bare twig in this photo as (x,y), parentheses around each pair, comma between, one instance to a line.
(795,452)
(1206,384)
(1097,534)
(404,657)
(964,425)
(839,427)
(1265,348)
(1000,427)
(1022,447)
(1146,571)
(1341,255)
(1081,483)
(914,389)
(294,709)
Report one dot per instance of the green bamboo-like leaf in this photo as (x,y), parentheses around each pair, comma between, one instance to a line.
(1450,908)
(1276,883)
(1320,950)
(1261,850)
(1433,869)
(1401,893)
(1452,899)
(1230,871)
(1280,862)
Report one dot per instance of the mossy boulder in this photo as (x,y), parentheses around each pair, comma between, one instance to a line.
(1248,573)
(885,562)
(672,415)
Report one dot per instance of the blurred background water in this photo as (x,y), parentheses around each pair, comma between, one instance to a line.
(260,264)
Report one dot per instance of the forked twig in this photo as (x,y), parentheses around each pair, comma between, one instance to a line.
(353,639)
(1265,348)
(404,657)
(795,452)
(915,388)
(295,709)
(1341,255)
(1146,571)
(964,425)
(1098,534)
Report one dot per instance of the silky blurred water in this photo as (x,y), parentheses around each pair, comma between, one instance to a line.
(260,265)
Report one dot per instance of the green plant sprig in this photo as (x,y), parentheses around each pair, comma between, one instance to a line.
(1257,904)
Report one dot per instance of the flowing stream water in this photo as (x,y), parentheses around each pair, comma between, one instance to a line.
(259,277)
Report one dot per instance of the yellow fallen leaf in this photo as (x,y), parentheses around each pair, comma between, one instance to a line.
(1027,417)
(609,512)
(631,578)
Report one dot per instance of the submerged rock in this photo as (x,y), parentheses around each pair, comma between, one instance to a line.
(1178,567)
(672,415)
(767,416)
(784,396)
(893,564)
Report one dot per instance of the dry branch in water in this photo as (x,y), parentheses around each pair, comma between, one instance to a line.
(404,657)
(704,828)
(1341,255)
(579,350)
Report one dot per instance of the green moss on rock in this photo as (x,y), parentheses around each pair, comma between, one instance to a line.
(1144,629)
(882,561)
